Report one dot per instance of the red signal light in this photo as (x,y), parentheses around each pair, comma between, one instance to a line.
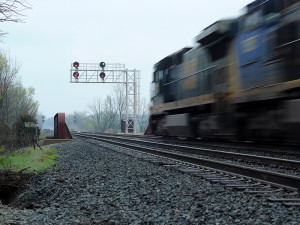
(76,65)
(102,75)
(76,75)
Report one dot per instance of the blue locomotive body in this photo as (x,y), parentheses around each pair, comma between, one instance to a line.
(242,80)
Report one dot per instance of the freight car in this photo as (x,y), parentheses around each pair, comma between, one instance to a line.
(241,80)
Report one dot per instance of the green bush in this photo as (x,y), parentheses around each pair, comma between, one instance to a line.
(24,136)
(5,162)
(2,149)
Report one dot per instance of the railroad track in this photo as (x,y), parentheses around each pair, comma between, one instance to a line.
(279,187)
(282,151)
(194,151)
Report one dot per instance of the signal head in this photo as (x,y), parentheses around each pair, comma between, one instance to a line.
(76,65)
(102,75)
(76,75)
(102,65)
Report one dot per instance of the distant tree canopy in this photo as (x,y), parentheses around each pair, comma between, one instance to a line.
(16,105)
(14,98)
(12,11)
(16,102)
(106,115)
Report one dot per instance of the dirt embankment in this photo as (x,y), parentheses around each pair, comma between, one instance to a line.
(11,183)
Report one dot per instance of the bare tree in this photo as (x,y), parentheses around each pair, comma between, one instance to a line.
(109,114)
(120,99)
(96,108)
(14,98)
(143,115)
(12,11)
(77,121)
(105,114)
(20,101)
(8,79)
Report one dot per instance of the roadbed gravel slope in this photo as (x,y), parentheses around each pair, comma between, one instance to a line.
(94,185)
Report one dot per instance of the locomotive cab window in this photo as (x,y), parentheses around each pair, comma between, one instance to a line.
(160,75)
(166,72)
(155,77)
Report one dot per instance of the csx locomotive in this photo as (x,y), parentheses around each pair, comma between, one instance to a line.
(241,80)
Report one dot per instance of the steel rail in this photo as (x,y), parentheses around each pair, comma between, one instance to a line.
(254,158)
(271,148)
(278,178)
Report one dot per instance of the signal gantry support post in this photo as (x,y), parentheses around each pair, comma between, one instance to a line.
(111,73)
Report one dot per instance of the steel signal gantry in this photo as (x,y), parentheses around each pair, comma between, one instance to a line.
(114,73)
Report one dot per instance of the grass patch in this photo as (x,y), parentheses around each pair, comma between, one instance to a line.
(35,160)
(42,137)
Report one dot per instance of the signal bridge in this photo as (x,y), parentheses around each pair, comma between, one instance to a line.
(111,73)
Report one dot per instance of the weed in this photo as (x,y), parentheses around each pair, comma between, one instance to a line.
(5,162)
(2,149)
(36,160)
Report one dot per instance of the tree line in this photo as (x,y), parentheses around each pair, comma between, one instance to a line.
(17,104)
(106,114)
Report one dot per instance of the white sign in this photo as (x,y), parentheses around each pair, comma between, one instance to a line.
(30,124)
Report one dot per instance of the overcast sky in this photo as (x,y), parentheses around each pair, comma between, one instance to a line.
(137,33)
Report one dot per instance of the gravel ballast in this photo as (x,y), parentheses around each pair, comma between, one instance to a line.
(92,184)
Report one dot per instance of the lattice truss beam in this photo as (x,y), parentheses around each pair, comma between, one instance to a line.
(114,73)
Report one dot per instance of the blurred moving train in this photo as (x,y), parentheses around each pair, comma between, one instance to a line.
(242,80)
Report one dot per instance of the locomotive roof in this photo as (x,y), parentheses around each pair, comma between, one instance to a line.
(214,31)
(172,59)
